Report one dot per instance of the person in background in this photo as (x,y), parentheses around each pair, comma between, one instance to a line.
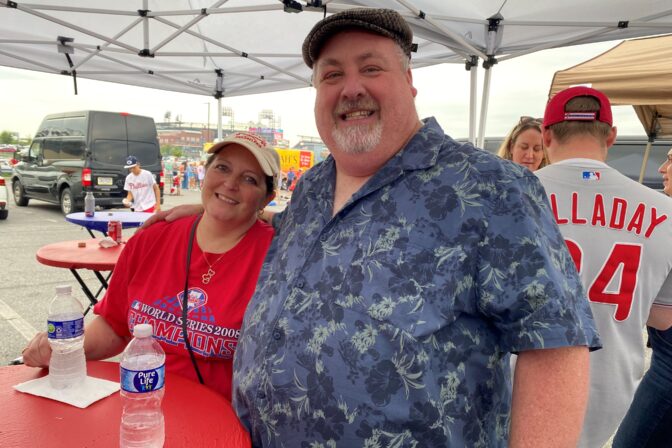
(184,175)
(200,172)
(523,144)
(404,271)
(291,175)
(618,233)
(220,267)
(648,422)
(142,190)
(168,173)
(193,180)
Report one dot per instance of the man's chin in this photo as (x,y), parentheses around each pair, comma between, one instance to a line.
(357,140)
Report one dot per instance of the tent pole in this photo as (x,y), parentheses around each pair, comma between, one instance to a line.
(219,118)
(473,99)
(484,107)
(644,161)
(652,136)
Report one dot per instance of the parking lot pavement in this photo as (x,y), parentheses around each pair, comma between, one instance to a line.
(26,286)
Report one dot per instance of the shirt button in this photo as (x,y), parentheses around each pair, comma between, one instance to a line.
(323,238)
(299,284)
(261,395)
(277,334)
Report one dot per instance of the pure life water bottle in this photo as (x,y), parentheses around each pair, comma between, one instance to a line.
(65,331)
(142,381)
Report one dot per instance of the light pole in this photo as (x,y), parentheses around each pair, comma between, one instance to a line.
(207,134)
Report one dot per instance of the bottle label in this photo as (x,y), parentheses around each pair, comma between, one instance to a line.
(65,329)
(140,381)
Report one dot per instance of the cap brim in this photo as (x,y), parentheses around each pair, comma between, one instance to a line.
(130,166)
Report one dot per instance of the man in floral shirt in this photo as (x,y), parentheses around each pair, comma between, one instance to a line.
(405,270)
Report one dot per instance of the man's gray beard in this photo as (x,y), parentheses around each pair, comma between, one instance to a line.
(358,139)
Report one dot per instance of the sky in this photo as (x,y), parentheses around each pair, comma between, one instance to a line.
(519,86)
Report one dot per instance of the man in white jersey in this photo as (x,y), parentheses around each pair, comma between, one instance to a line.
(618,233)
(143,192)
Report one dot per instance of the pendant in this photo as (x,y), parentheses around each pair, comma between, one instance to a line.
(207,276)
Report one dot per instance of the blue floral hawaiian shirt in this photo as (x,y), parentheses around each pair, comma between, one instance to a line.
(390,324)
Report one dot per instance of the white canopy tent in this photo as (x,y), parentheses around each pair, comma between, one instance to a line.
(226,48)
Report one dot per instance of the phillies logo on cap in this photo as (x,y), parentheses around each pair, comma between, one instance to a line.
(260,142)
(591,175)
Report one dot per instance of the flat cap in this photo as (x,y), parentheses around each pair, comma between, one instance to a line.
(385,22)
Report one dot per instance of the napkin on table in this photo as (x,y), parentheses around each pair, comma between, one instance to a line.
(107,242)
(90,391)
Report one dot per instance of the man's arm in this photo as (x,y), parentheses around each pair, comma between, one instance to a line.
(550,395)
(173,214)
(660,317)
(129,199)
(157,195)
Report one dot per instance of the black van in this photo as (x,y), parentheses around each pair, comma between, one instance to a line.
(626,155)
(75,152)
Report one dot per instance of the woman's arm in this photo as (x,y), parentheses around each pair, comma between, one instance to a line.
(100,342)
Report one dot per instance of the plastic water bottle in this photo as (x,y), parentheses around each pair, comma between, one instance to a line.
(89,205)
(142,380)
(65,330)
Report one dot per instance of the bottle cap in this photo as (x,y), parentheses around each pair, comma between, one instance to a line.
(63,289)
(142,330)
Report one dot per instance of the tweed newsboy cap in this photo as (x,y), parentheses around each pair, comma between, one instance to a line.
(385,22)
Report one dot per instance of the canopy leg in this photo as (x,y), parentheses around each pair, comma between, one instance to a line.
(644,161)
(484,107)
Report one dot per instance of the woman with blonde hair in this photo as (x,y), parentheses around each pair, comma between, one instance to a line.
(523,145)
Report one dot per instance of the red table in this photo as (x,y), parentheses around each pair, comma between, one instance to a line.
(69,255)
(195,415)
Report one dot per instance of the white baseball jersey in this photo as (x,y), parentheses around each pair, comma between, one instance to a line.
(619,234)
(142,189)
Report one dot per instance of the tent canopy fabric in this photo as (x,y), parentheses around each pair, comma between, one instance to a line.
(636,72)
(225,48)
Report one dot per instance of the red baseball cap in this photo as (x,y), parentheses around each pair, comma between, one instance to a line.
(555,109)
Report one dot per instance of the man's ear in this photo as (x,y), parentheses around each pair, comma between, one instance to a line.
(409,78)
(611,138)
(546,137)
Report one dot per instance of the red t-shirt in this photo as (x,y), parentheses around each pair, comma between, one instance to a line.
(148,284)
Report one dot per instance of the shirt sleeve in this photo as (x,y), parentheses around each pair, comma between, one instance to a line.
(528,284)
(664,296)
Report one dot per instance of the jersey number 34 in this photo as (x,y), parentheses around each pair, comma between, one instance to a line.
(627,256)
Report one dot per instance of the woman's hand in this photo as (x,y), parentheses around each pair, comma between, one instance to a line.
(38,351)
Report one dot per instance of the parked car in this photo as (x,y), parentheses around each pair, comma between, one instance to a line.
(626,155)
(76,152)
(4,195)
(5,167)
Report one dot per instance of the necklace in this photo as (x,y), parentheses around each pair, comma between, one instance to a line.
(211,272)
